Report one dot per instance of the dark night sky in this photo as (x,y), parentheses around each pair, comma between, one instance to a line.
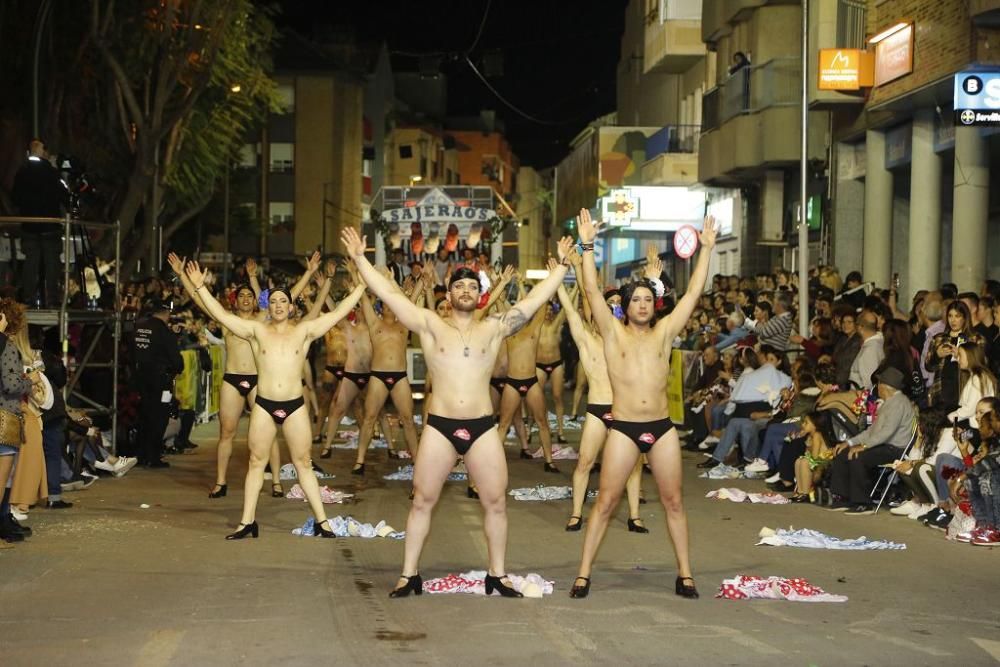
(559,57)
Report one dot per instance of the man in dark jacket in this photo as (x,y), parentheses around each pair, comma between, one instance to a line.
(157,361)
(40,193)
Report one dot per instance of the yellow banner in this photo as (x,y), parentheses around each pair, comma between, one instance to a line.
(675,387)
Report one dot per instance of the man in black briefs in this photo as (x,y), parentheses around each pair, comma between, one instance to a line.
(460,353)
(638,355)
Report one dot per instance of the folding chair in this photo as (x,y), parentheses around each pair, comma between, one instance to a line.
(915,438)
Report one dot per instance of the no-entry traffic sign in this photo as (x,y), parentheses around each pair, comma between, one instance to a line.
(685,241)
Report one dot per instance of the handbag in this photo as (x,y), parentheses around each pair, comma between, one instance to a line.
(11,426)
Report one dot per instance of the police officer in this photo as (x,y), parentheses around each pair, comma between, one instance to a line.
(40,193)
(157,361)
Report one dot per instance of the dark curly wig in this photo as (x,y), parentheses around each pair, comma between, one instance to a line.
(15,314)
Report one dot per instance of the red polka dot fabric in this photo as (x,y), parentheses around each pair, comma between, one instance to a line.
(747,587)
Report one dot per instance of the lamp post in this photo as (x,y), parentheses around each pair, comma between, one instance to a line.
(803,182)
(43,15)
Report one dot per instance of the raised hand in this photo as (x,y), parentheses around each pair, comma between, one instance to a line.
(251,266)
(574,258)
(654,268)
(651,252)
(176,263)
(508,273)
(586,226)
(552,264)
(564,246)
(330,268)
(429,274)
(312,264)
(195,273)
(708,233)
(354,243)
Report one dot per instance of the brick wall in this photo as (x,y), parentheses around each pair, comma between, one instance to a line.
(944,41)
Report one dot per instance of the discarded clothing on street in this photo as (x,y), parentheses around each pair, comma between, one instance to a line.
(722,471)
(558,452)
(745,587)
(351,527)
(813,539)
(405,473)
(288,472)
(542,493)
(328,495)
(531,586)
(741,496)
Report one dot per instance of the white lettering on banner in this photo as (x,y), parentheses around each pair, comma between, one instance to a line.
(439,213)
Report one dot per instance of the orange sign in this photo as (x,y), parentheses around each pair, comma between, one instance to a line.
(839,69)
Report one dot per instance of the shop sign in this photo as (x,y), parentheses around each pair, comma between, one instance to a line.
(894,56)
(839,69)
(977,98)
(438,207)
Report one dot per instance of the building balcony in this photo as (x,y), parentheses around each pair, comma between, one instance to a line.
(673,37)
(717,15)
(672,156)
(751,123)
(985,13)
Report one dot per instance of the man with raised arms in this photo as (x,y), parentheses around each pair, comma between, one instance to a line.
(278,346)
(239,384)
(461,353)
(638,361)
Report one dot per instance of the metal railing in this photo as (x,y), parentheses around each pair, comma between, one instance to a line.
(851,18)
(72,233)
(775,83)
(673,139)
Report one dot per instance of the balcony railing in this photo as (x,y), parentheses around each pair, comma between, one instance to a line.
(775,83)
(673,139)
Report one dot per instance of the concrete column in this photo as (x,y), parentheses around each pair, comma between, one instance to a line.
(876,265)
(924,266)
(971,208)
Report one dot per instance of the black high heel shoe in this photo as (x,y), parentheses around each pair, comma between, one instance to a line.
(218,492)
(574,527)
(550,467)
(248,530)
(319,530)
(525,454)
(496,584)
(326,453)
(414,584)
(277,491)
(358,469)
(580,591)
(561,439)
(635,527)
(471,493)
(686,590)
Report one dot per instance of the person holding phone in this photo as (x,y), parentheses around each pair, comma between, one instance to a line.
(942,356)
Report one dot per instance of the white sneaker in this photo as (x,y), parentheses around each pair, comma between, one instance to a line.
(905,509)
(773,478)
(20,516)
(757,465)
(105,466)
(708,442)
(124,464)
(919,511)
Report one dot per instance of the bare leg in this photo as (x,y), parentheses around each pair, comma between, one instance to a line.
(522,431)
(298,437)
(487,464)
(619,459)
(591,441)
(633,491)
(259,440)
(510,402)
(309,391)
(374,400)
(435,459)
(803,476)
(341,403)
(230,409)
(402,398)
(536,404)
(387,435)
(328,401)
(558,378)
(665,460)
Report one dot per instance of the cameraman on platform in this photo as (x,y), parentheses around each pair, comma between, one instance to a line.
(40,193)
(157,360)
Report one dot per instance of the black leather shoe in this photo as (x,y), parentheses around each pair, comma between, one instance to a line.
(218,492)
(708,463)
(580,591)
(358,469)
(635,527)
(58,505)
(496,584)
(246,530)
(684,589)
(414,584)
(550,467)
(574,524)
(158,464)
(525,454)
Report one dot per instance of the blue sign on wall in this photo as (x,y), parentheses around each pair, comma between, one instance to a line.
(977,98)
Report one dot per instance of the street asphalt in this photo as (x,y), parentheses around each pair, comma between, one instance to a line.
(113,582)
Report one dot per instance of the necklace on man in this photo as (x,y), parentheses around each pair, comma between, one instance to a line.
(465,342)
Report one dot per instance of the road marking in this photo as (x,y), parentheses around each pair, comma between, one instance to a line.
(988,645)
(901,643)
(160,648)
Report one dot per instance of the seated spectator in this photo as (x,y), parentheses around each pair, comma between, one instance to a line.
(773,330)
(750,406)
(893,431)
(942,356)
(820,341)
(845,347)
(982,483)
(799,402)
(817,430)
(870,355)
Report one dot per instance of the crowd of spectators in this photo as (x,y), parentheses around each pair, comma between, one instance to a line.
(880,407)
